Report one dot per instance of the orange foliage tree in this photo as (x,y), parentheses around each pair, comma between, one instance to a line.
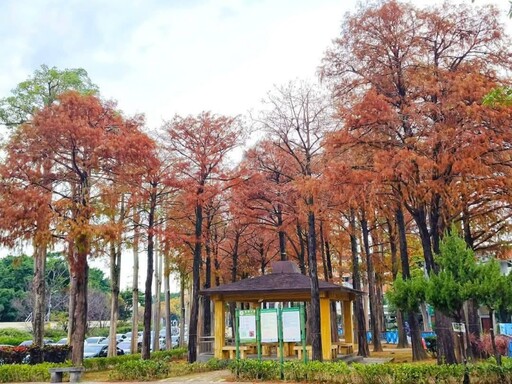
(87,142)
(409,84)
(199,146)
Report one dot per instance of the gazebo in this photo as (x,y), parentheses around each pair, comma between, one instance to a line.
(284,284)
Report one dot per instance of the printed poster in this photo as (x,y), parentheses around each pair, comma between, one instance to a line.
(291,325)
(247,326)
(268,320)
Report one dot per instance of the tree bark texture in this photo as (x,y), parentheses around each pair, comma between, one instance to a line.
(135,290)
(418,353)
(79,279)
(39,289)
(377,346)
(146,335)
(196,285)
(362,341)
(115,275)
(316,340)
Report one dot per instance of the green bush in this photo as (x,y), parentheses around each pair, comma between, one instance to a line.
(25,373)
(140,370)
(49,353)
(97,331)
(173,354)
(54,334)
(249,369)
(338,372)
(103,363)
(13,355)
(13,336)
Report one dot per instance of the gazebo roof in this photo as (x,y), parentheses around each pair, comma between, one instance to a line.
(284,283)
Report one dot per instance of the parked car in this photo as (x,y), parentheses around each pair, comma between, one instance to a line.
(28,343)
(98,350)
(63,341)
(126,346)
(119,337)
(128,336)
(96,340)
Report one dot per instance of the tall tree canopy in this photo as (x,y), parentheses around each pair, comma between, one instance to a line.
(76,146)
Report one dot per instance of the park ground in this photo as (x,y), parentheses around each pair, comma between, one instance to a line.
(390,353)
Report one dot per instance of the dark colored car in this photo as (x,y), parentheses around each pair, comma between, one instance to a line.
(98,350)
(28,343)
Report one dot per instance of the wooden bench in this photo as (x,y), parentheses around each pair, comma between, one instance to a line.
(57,373)
(334,351)
(345,348)
(229,351)
(299,348)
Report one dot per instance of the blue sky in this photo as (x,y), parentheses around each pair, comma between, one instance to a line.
(162,57)
(165,57)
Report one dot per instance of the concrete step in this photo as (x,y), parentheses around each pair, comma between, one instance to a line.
(350,358)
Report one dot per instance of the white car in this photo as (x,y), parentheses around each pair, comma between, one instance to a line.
(96,340)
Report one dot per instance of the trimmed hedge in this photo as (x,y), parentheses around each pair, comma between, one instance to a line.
(103,363)
(12,336)
(145,370)
(34,354)
(339,372)
(26,373)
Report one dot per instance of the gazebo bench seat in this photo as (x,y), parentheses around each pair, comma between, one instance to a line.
(299,348)
(345,348)
(229,351)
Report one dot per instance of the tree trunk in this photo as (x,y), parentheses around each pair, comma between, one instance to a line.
(157,308)
(402,335)
(425,316)
(328,256)
(182,307)
(322,252)
(135,289)
(234,258)
(207,323)
(316,341)
(146,335)
(377,346)
(79,279)
(196,285)
(72,293)
(115,274)
(39,289)
(281,233)
(167,291)
(473,328)
(400,325)
(493,338)
(418,353)
(362,341)
(445,344)
(302,250)
(379,303)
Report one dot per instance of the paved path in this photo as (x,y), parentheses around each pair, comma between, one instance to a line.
(224,376)
(205,377)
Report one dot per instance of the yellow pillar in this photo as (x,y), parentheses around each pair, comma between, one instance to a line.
(347,322)
(325,327)
(219,326)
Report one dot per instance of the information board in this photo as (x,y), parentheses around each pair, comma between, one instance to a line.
(268,320)
(247,326)
(291,324)
(459,327)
